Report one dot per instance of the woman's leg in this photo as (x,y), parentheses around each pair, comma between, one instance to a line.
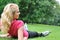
(33,34)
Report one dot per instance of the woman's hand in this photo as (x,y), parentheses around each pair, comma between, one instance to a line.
(4,35)
(25,38)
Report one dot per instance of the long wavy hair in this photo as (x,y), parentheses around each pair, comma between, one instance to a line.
(7,17)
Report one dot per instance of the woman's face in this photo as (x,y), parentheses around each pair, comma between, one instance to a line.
(16,13)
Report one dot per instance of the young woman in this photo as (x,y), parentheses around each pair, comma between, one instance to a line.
(11,27)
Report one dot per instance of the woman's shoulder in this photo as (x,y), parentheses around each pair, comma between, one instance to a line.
(18,21)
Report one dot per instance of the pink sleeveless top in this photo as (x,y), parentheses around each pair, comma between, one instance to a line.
(15,25)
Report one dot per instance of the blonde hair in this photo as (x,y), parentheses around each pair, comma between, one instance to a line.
(7,17)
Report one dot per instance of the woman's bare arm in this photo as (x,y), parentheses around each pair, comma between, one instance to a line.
(20,33)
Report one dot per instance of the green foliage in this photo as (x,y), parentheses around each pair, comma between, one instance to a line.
(4,2)
(36,11)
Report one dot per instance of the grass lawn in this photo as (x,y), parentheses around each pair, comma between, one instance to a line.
(54,35)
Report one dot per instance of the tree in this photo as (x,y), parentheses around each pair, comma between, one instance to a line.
(5,2)
(36,11)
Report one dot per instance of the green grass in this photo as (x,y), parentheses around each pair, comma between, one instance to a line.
(54,35)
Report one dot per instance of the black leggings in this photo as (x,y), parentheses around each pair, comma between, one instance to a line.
(33,34)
